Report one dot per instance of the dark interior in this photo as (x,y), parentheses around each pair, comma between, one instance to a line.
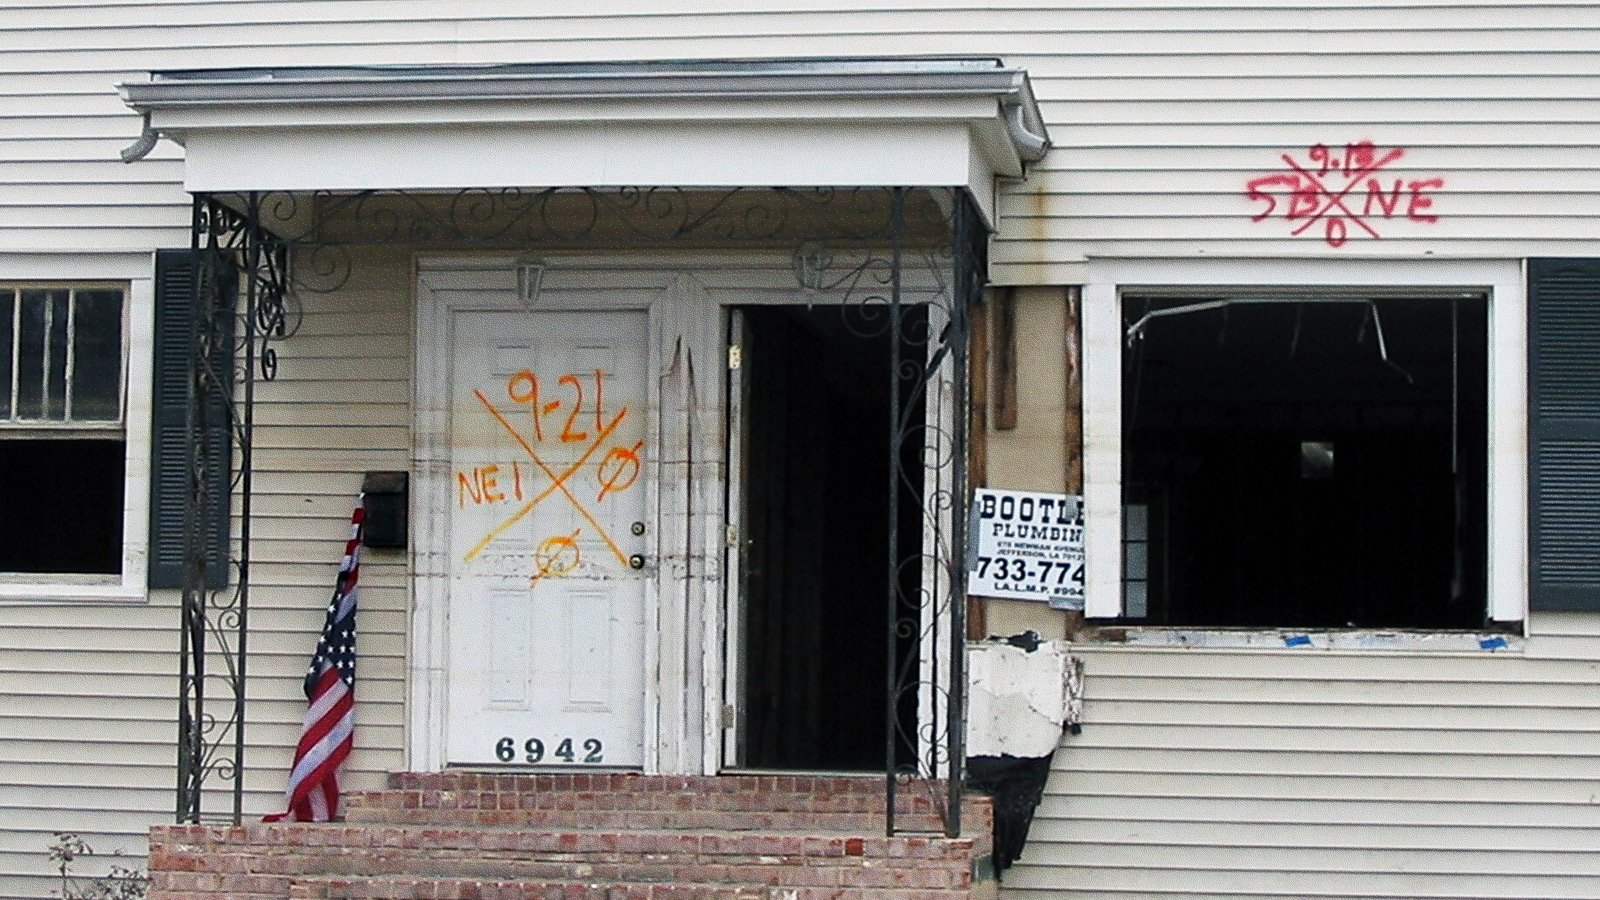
(61,506)
(816,558)
(1295,478)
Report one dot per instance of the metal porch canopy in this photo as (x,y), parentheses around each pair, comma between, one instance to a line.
(950,122)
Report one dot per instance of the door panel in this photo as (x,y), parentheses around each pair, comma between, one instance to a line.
(547,420)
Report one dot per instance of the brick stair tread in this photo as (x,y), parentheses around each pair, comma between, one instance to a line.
(735,819)
(634,791)
(871,822)
(658,820)
(412,887)
(813,842)
(336,887)
(642,802)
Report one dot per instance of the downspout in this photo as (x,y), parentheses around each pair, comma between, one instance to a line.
(1031,147)
(146,142)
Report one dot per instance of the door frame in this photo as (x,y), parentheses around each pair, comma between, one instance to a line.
(724,735)
(490,283)
(690,625)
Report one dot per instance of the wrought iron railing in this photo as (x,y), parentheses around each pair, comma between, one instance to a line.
(238,311)
(908,261)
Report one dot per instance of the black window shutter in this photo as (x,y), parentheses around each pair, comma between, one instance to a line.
(1564,433)
(178,287)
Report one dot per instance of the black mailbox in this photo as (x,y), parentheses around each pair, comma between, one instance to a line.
(386,505)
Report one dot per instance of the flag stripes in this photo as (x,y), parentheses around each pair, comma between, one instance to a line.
(329,729)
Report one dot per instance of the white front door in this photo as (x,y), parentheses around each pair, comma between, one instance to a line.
(548,464)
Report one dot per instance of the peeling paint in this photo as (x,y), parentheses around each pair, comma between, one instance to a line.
(1475,642)
(1019,701)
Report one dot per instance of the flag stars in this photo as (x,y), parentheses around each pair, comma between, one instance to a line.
(318,801)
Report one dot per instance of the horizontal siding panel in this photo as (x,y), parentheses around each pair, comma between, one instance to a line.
(303,23)
(1566,624)
(1398,786)
(1313,861)
(1111,835)
(1559,759)
(1315,124)
(1202,201)
(1226,673)
(332,412)
(1285,110)
(1516,818)
(1205,229)
(1533,715)
(1216,881)
(343,437)
(1228,176)
(1178,160)
(1151,84)
(1380,774)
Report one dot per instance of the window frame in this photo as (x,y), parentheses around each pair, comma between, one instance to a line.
(132,274)
(1501,281)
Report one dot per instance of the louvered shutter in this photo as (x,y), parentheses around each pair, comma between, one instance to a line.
(1564,432)
(178,286)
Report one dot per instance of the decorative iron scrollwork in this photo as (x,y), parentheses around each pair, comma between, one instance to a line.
(908,263)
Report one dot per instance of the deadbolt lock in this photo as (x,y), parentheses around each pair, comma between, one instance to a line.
(636,561)
(638,528)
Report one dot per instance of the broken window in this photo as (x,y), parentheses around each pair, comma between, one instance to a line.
(61,430)
(1305,461)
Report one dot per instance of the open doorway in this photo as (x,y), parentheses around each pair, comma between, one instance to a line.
(812,432)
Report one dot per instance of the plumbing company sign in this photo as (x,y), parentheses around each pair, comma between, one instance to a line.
(1026,546)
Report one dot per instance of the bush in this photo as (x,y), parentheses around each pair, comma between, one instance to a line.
(121,883)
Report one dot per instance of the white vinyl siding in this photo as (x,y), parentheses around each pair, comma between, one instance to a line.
(1279,774)
(89,737)
(1161,113)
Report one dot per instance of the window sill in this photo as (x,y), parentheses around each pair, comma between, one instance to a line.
(15,591)
(1358,640)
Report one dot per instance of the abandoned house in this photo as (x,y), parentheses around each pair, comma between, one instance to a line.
(666,348)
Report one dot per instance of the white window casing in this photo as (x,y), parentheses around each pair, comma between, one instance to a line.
(130,273)
(1501,280)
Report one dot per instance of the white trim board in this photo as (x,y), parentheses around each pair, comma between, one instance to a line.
(1501,280)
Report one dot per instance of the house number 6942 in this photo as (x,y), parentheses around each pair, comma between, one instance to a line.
(533,751)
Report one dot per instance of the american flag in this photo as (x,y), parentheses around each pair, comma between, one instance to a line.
(327,735)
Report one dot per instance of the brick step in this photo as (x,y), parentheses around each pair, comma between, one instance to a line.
(197,858)
(477,836)
(816,847)
(657,820)
(626,791)
(743,802)
(337,888)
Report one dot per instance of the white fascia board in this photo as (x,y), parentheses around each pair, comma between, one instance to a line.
(176,121)
(709,154)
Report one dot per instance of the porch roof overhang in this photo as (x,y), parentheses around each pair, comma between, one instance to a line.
(949,122)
